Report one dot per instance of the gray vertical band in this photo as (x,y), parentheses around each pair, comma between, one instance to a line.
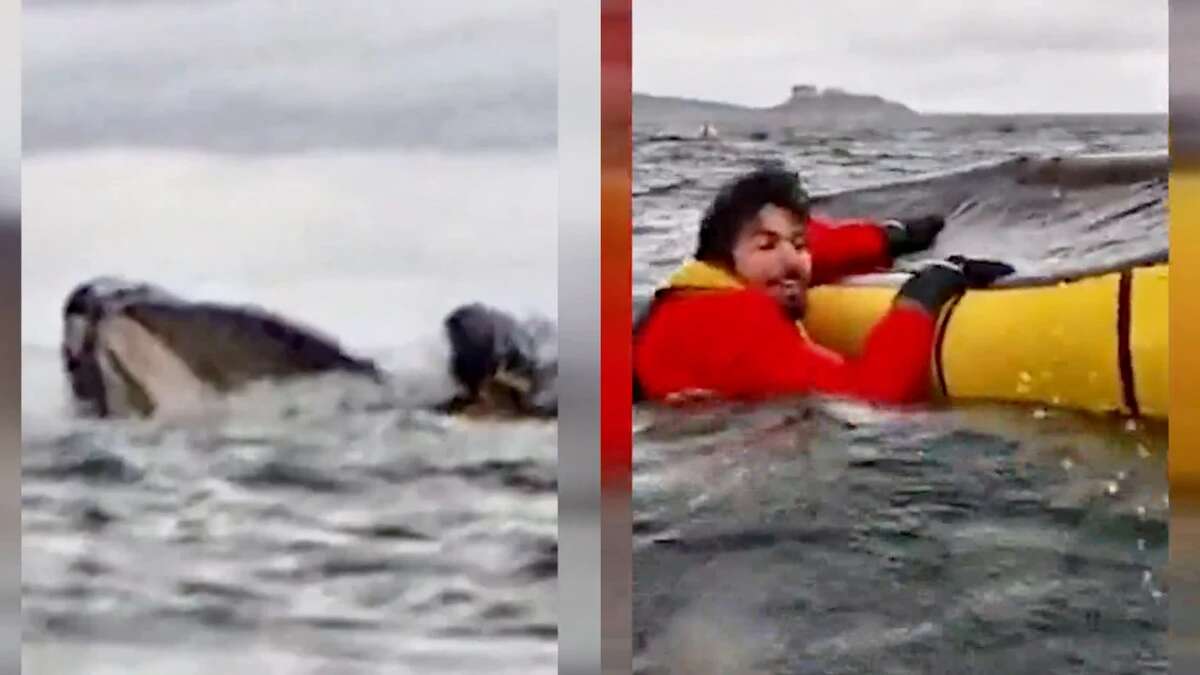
(1184,106)
(10,440)
(10,335)
(579,348)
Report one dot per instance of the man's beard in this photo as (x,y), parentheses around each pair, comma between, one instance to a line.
(794,303)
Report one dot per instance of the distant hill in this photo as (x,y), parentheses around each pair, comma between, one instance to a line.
(806,107)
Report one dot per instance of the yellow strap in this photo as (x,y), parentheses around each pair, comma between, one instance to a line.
(702,275)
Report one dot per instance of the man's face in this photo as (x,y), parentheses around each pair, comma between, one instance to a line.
(771,253)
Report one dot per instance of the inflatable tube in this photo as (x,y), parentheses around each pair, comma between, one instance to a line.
(1095,342)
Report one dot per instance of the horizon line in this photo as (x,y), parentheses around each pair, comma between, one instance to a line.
(918,111)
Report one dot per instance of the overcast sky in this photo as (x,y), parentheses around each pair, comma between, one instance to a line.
(933,55)
(262,75)
(10,103)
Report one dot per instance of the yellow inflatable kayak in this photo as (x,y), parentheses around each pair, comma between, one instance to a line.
(1095,342)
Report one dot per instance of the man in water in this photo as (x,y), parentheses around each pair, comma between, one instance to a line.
(727,325)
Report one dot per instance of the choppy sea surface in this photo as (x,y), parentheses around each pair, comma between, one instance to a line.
(823,536)
(362,168)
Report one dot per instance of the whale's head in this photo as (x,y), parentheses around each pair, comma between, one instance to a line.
(87,306)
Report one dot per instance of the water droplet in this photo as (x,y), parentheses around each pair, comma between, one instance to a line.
(1131,425)
(1025,377)
(1141,544)
(1040,414)
(1067,464)
(1121,475)
(1142,451)
(1055,400)
(1141,511)
(1112,487)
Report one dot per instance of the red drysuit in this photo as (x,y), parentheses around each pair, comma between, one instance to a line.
(739,344)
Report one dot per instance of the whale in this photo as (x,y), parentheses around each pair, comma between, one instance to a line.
(132,348)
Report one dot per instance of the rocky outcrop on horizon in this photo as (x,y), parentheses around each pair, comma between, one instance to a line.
(806,107)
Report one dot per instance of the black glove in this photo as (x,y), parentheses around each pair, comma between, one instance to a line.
(981,273)
(935,285)
(912,235)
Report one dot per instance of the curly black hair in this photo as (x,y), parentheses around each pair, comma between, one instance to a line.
(739,201)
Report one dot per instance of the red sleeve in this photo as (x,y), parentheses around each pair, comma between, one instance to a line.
(841,248)
(893,368)
(741,346)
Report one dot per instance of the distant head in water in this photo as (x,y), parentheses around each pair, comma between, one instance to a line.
(131,348)
(502,364)
(755,228)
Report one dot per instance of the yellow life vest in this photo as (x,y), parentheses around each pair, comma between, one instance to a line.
(698,275)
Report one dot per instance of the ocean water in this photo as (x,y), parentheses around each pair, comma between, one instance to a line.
(823,536)
(362,168)
(963,164)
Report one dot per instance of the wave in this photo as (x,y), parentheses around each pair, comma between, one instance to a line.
(1044,214)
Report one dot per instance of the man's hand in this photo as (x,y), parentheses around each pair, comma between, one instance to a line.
(980,273)
(691,397)
(936,284)
(912,235)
